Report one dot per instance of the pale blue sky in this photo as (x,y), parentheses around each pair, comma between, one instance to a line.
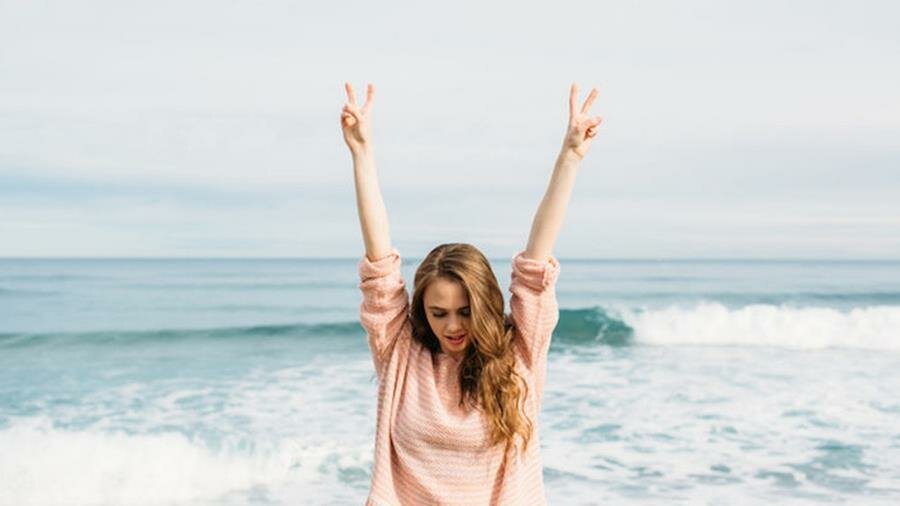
(763,129)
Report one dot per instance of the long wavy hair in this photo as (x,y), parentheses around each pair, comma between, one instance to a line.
(487,377)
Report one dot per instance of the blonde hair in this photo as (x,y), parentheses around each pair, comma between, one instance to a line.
(487,378)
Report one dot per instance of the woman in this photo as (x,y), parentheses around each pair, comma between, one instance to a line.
(459,383)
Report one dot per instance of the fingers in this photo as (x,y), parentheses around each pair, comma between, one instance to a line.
(351,99)
(592,124)
(590,101)
(370,95)
(349,114)
(352,110)
(573,99)
(350,96)
(588,123)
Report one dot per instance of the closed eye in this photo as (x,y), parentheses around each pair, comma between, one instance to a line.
(463,312)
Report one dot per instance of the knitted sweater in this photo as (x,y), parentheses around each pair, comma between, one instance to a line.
(428,449)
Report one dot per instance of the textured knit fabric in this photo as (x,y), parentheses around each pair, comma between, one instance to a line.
(428,449)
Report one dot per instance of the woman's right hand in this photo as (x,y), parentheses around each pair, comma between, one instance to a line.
(355,121)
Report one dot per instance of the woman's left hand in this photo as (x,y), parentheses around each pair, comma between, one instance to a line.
(582,127)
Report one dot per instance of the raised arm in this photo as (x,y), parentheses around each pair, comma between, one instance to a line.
(533,304)
(549,217)
(383,311)
(356,126)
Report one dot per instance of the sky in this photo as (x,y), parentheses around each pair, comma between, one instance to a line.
(763,129)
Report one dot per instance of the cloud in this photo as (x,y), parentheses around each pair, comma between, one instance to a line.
(155,116)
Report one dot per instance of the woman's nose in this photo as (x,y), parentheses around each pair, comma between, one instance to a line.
(454,324)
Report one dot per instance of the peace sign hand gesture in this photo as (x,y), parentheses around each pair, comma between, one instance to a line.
(355,121)
(582,127)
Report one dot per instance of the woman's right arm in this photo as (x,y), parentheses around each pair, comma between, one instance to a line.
(383,312)
(355,124)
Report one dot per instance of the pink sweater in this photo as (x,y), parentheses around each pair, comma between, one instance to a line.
(428,450)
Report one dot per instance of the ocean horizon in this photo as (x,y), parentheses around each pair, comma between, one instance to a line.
(219,381)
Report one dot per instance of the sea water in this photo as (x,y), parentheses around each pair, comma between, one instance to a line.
(226,382)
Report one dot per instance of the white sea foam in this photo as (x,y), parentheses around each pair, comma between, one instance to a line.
(873,328)
(720,425)
(43,465)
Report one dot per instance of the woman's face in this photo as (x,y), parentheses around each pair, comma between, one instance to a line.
(447,310)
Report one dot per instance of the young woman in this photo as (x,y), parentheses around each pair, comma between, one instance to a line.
(459,382)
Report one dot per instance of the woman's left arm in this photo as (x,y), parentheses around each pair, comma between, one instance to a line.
(533,305)
(548,219)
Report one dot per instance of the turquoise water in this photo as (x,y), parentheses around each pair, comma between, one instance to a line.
(249,382)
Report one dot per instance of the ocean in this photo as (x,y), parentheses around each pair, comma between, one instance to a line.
(231,382)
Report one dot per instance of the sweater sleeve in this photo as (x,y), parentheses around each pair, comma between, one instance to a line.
(383,312)
(534,309)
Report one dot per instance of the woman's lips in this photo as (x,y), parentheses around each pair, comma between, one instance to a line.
(457,340)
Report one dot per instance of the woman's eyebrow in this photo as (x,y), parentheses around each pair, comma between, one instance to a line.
(442,309)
